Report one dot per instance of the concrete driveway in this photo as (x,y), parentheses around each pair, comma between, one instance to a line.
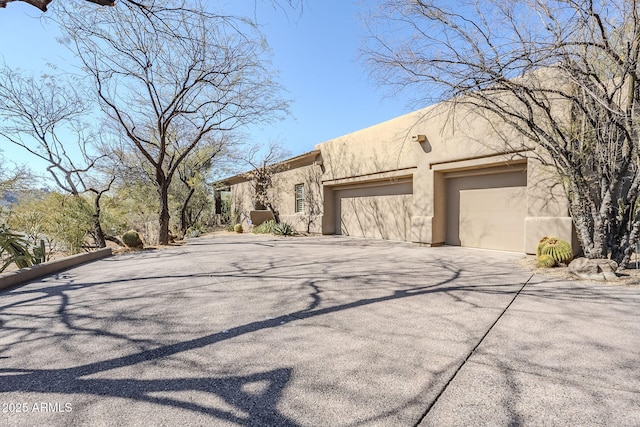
(321,331)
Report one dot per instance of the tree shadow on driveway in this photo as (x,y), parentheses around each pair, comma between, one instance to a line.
(51,304)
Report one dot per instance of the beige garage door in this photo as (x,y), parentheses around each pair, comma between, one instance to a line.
(487,210)
(378,212)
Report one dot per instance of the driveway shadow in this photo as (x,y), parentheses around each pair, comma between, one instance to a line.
(40,304)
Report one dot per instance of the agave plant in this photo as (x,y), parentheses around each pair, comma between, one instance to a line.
(39,253)
(266,227)
(14,249)
(283,229)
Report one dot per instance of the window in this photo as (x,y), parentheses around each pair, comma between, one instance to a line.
(299,198)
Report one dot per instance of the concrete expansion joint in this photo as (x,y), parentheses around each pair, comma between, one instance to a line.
(473,350)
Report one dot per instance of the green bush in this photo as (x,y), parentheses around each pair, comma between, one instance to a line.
(132,239)
(227,211)
(283,229)
(266,227)
(237,228)
(72,223)
(560,250)
(194,233)
(64,221)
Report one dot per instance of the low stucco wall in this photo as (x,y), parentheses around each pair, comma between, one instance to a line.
(14,278)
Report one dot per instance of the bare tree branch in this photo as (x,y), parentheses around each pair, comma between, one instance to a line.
(563,74)
(42,116)
(173,77)
(42,4)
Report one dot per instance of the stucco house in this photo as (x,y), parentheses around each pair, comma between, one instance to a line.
(428,177)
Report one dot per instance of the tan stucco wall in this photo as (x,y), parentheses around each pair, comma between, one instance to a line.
(548,208)
(282,196)
(385,153)
(242,202)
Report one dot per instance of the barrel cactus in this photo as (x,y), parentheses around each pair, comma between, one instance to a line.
(545,261)
(541,244)
(237,228)
(132,239)
(560,250)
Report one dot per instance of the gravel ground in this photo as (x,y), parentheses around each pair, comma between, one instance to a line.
(629,277)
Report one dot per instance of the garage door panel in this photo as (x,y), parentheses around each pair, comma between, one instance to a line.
(493,218)
(486,210)
(377,217)
(378,212)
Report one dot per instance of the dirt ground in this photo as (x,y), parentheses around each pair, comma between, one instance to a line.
(629,277)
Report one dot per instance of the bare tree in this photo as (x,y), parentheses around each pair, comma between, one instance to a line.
(563,74)
(193,174)
(43,4)
(169,90)
(13,177)
(43,117)
(265,164)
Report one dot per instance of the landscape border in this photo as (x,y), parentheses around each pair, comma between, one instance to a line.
(19,277)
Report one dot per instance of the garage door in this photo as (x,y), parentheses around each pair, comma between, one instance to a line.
(487,209)
(378,212)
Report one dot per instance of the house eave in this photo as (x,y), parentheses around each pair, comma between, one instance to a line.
(305,159)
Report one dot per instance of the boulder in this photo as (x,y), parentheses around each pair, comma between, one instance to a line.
(594,269)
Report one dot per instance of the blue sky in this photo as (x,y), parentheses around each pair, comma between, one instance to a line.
(316,53)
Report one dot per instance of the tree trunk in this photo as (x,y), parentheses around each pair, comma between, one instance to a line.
(164,217)
(184,222)
(274,211)
(97,227)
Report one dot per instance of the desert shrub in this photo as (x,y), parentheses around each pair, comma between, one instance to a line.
(545,261)
(193,232)
(283,229)
(132,239)
(266,227)
(560,250)
(226,211)
(237,228)
(134,207)
(196,230)
(113,219)
(64,221)
(74,223)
